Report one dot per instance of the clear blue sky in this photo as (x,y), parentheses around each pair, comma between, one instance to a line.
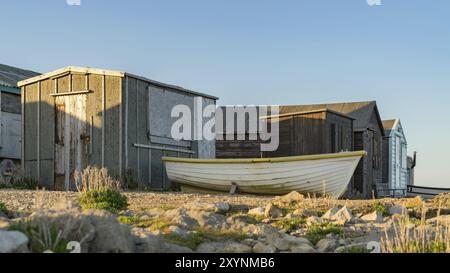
(260,52)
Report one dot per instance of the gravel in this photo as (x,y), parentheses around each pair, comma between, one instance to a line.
(28,201)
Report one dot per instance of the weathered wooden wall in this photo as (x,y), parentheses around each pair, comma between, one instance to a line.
(39,123)
(300,134)
(370,170)
(10,131)
(147,122)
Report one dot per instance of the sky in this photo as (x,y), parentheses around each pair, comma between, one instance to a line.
(252,52)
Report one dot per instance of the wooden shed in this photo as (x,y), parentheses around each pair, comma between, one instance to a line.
(77,117)
(10,111)
(309,132)
(368,133)
(312,132)
(395,158)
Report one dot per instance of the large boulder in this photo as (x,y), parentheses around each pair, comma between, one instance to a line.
(13,242)
(234,247)
(110,236)
(97,231)
(198,205)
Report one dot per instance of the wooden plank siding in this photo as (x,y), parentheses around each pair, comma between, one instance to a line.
(300,134)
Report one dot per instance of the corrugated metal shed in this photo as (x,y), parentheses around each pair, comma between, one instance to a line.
(10,76)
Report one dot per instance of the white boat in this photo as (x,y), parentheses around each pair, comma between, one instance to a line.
(327,174)
(425,192)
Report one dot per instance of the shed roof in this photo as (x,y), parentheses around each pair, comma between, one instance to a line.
(360,111)
(89,70)
(10,76)
(310,112)
(389,125)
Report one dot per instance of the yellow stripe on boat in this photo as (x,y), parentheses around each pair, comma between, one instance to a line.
(265,160)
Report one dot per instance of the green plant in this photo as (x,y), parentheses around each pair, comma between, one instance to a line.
(111,200)
(23,183)
(194,239)
(42,237)
(290,224)
(381,208)
(153,224)
(419,239)
(3,208)
(355,249)
(95,179)
(318,232)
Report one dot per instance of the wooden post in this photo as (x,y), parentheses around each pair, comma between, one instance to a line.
(38,138)
(22,98)
(103,118)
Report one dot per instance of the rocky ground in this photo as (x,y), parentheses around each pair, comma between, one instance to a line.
(177,222)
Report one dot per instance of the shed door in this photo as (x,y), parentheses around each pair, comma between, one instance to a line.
(70,140)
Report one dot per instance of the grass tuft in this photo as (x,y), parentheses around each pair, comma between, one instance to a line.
(318,232)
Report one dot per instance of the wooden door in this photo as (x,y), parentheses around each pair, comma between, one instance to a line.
(70,139)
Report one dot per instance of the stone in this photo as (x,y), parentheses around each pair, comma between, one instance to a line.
(110,235)
(305,213)
(181,218)
(211,247)
(146,242)
(291,198)
(343,216)
(314,220)
(173,248)
(13,242)
(376,217)
(395,210)
(326,245)
(263,248)
(237,248)
(265,230)
(177,231)
(306,249)
(250,242)
(222,207)
(272,211)
(256,212)
(209,220)
(329,215)
(4,223)
(442,220)
(284,242)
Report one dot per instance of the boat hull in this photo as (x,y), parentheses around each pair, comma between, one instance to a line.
(322,174)
(425,192)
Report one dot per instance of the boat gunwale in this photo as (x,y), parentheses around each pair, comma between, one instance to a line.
(266,160)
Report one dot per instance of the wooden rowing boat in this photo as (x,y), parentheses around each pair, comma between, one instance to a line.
(327,174)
